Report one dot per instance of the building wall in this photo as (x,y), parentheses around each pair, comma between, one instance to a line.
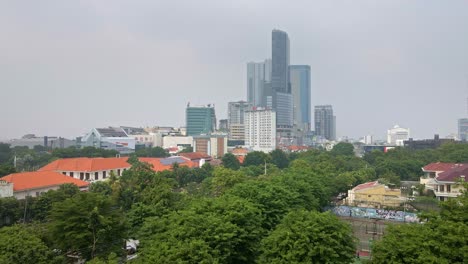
(260,130)
(6,189)
(397,135)
(258,74)
(280,61)
(200,120)
(175,141)
(237,132)
(300,90)
(325,122)
(378,196)
(463,129)
(94,175)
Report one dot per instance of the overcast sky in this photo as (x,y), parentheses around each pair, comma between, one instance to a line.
(68,66)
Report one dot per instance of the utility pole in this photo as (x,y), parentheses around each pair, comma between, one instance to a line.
(265,167)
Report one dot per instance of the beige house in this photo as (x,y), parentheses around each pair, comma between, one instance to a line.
(444,179)
(374,194)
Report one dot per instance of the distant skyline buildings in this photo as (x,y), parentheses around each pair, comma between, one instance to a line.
(260,130)
(301,93)
(236,118)
(325,122)
(463,129)
(397,135)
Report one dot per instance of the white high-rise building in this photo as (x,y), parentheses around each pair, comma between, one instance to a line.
(258,75)
(396,135)
(260,130)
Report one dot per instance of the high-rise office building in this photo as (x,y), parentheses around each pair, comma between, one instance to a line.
(300,90)
(236,115)
(325,122)
(260,129)
(258,78)
(463,129)
(200,120)
(283,105)
(280,61)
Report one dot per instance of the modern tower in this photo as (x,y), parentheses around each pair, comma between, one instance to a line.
(258,77)
(280,61)
(300,90)
(200,120)
(325,122)
(463,129)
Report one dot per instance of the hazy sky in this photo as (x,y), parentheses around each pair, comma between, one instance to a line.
(68,66)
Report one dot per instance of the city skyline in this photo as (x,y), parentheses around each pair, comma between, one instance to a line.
(69,67)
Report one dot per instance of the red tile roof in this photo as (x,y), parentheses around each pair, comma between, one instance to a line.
(37,179)
(439,166)
(294,148)
(161,164)
(86,164)
(366,185)
(454,174)
(240,151)
(195,155)
(240,159)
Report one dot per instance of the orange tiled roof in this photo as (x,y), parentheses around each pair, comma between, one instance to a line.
(86,164)
(161,164)
(240,159)
(439,166)
(239,151)
(37,179)
(195,155)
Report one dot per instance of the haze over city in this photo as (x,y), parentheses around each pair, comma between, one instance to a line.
(67,67)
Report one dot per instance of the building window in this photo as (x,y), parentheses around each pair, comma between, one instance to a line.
(81,176)
(449,188)
(96,175)
(104,174)
(441,188)
(71,174)
(37,194)
(118,172)
(64,173)
(87,176)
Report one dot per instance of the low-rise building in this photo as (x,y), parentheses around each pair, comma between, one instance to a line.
(374,194)
(98,169)
(212,145)
(112,138)
(35,183)
(444,179)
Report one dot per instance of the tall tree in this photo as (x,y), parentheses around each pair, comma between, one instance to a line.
(230,161)
(343,148)
(87,223)
(255,158)
(279,158)
(309,237)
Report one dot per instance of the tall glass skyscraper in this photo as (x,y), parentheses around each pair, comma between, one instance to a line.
(258,78)
(280,61)
(300,90)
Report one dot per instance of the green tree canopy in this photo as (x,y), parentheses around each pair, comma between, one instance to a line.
(255,158)
(230,161)
(279,158)
(89,224)
(343,148)
(309,237)
(19,246)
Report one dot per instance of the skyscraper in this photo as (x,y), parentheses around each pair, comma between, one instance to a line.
(300,90)
(325,122)
(236,115)
(200,120)
(463,129)
(258,77)
(280,61)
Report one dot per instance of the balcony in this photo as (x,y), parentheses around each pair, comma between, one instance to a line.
(447,194)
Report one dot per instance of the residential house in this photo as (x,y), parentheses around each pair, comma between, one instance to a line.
(444,179)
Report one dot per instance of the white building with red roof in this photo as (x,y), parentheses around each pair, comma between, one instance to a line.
(98,169)
(35,183)
(444,179)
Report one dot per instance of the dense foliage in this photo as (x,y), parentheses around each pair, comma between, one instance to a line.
(266,210)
